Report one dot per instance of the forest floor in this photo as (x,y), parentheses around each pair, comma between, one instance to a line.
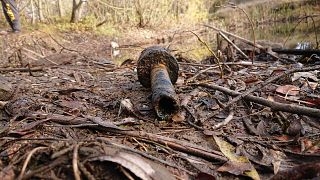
(69,111)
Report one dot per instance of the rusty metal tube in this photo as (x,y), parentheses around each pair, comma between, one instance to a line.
(164,97)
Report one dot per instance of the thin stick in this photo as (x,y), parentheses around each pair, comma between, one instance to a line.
(25,164)
(46,168)
(232,44)
(276,106)
(209,49)
(200,72)
(268,81)
(242,63)
(124,147)
(294,29)
(76,171)
(39,55)
(175,144)
(252,28)
(21,69)
(225,122)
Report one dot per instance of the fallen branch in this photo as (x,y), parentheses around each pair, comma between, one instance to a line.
(268,81)
(276,106)
(175,144)
(243,40)
(306,52)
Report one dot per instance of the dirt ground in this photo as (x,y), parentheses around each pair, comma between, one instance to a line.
(75,114)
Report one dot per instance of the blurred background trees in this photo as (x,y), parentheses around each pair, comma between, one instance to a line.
(130,12)
(108,16)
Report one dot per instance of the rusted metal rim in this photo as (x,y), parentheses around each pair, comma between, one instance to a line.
(152,56)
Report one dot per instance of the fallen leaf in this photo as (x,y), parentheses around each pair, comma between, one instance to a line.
(313,102)
(103,123)
(309,86)
(179,117)
(282,138)
(309,146)
(229,151)
(309,75)
(288,90)
(127,106)
(141,167)
(276,158)
(236,168)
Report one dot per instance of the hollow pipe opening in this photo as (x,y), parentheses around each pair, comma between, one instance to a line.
(166,107)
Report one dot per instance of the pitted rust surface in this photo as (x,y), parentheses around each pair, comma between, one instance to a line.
(164,97)
(152,56)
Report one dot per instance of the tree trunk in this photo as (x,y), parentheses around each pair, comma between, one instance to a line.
(139,12)
(40,11)
(61,12)
(76,10)
(33,18)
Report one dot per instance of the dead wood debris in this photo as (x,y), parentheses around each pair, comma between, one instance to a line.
(80,116)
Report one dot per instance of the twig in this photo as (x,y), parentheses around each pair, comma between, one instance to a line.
(241,63)
(21,69)
(32,139)
(276,106)
(43,169)
(225,122)
(76,171)
(194,119)
(268,81)
(209,49)
(61,152)
(63,47)
(232,44)
(25,164)
(294,29)
(126,173)
(143,154)
(200,72)
(251,24)
(39,55)
(84,170)
(175,144)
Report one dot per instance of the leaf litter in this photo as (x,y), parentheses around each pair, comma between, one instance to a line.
(73,114)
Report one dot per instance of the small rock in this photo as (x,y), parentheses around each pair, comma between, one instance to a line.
(6,90)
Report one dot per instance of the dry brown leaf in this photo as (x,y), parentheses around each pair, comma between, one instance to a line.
(229,151)
(141,167)
(236,168)
(288,90)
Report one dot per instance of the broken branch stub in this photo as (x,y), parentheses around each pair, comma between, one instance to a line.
(158,69)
